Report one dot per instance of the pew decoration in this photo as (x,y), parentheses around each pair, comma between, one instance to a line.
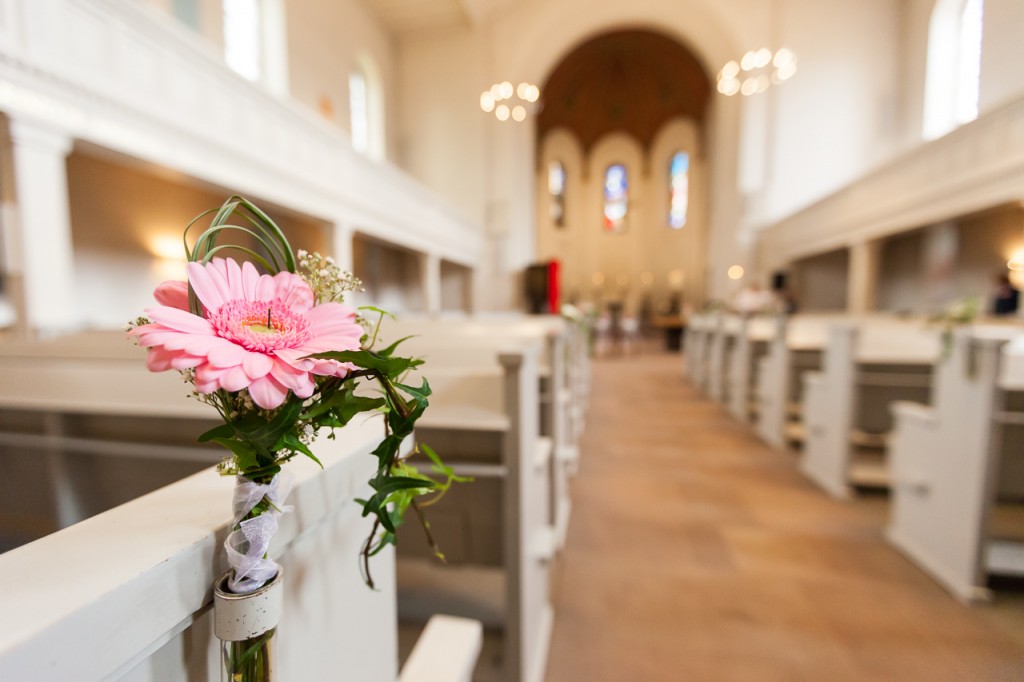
(283,360)
(959,313)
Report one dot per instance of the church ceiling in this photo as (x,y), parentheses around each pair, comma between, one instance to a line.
(629,81)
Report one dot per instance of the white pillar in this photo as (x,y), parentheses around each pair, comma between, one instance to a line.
(45,260)
(432,283)
(862,279)
(342,246)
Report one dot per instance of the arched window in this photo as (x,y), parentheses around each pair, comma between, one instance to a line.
(678,189)
(556,189)
(243,49)
(616,198)
(366,108)
(954,65)
(359,111)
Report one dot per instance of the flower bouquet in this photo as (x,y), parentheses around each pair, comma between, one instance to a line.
(269,343)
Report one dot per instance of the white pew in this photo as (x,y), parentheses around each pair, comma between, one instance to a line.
(723,341)
(561,406)
(951,464)
(750,345)
(496,532)
(796,348)
(126,595)
(78,413)
(446,651)
(868,364)
(697,348)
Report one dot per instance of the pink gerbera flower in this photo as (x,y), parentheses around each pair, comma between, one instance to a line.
(256,333)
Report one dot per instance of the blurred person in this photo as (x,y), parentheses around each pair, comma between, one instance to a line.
(1006,299)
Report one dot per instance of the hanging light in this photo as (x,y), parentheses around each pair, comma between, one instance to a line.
(510,102)
(756,71)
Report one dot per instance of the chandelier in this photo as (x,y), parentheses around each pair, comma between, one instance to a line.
(509,102)
(756,72)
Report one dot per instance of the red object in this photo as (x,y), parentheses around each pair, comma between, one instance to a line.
(553,292)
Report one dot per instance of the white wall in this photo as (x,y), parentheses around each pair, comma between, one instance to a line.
(327,40)
(840,114)
(1002,53)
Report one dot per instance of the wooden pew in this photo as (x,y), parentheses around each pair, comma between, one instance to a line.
(496,532)
(796,348)
(750,345)
(958,467)
(868,364)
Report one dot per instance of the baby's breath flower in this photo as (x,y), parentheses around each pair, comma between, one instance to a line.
(325,278)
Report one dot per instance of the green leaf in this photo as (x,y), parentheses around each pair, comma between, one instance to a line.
(365,359)
(245,455)
(222,431)
(377,310)
(292,442)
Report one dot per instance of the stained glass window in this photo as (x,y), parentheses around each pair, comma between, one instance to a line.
(556,188)
(679,189)
(616,198)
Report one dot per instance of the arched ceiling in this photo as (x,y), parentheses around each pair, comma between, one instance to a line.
(630,81)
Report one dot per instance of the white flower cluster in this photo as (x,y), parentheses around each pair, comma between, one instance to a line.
(325,278)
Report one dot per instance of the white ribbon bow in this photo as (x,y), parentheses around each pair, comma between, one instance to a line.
(247,546)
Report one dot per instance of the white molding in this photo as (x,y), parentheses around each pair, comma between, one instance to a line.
(976,166)
(123,77)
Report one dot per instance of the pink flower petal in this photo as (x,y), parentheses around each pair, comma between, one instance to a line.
(226,355)
(179,320)
(234,279)
(235,379)
(267,393)
(250,279)
(333,319)
(205,286)
(296,380)
(294,292)
(172,294)
(218,271)
(257,365)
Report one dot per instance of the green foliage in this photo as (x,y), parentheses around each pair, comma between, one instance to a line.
(260,441)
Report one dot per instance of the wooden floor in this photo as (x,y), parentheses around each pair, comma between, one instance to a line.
(697,553)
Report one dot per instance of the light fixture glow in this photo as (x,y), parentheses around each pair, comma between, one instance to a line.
(508,101)
(1016,262)
(757,71)
(735,272)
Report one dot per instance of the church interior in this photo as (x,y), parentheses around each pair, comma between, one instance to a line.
(718,301)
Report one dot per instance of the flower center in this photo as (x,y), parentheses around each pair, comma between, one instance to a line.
(260,326)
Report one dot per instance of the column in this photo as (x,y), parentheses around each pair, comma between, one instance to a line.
(862,278)
(341,247)
(431,264)
(42,231)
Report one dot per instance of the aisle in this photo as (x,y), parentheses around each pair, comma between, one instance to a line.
(696,553)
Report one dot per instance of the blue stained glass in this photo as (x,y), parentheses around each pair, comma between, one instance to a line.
(679,189)
(616,198)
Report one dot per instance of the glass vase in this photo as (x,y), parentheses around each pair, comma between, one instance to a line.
(247,625)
